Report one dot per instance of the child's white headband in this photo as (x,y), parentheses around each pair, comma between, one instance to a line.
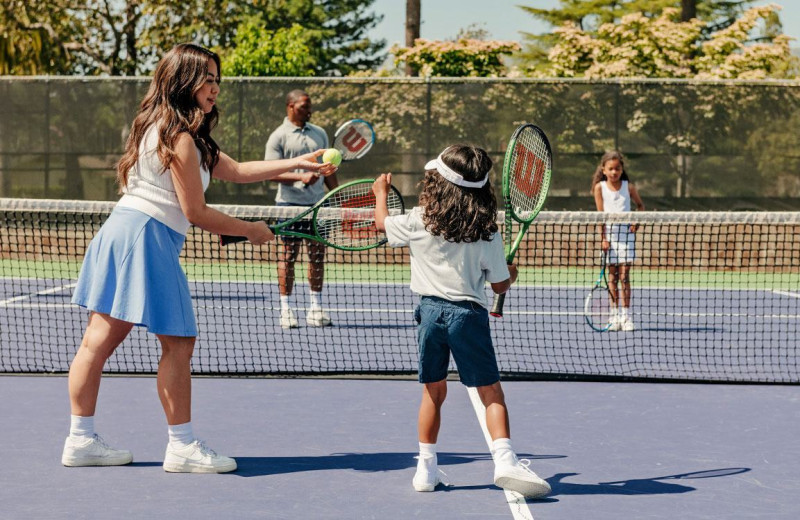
(452,175)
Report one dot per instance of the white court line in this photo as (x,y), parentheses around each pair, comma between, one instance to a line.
(787,293)
(9,301)
(516,502)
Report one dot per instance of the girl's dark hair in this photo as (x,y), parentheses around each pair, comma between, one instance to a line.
(170,103)
(457,213)
(611,155)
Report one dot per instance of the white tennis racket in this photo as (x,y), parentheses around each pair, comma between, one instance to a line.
(354,139)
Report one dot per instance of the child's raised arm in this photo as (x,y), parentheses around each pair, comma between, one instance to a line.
(381,189)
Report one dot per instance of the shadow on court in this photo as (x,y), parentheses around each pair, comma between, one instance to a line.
(642,486)
(377,462)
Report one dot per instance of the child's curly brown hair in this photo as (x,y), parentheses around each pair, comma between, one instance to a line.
(458,213)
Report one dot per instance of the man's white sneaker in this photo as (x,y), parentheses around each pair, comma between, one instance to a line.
(93,452)
(318,318)
(627,325)
(517,476)
(288,319)
(196,458)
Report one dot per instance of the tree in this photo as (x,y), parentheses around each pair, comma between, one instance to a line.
(588,16)
(126,37)
(461,58)
(413,8)
(258,51)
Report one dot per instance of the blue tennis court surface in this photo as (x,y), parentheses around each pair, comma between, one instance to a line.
(333,449)
(697,333)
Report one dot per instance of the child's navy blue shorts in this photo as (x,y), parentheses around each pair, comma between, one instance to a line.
(458,327)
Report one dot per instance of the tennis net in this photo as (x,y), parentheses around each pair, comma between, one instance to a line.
(715,297)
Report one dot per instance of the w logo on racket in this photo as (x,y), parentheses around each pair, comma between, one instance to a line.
(529,173)
(353,141)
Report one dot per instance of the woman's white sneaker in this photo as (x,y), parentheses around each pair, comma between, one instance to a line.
(92,451)
(196,458)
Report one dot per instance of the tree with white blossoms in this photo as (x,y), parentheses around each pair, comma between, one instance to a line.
(665,47)
(698,126)
(463,57)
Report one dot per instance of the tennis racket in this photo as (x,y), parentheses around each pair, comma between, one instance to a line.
(599,301)
(354,139)
(344,219)
(527,167)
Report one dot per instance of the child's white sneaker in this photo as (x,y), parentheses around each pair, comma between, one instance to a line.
(516,475)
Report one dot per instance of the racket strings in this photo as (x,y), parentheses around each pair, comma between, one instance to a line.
(353,139)
(348,218)
(531,163)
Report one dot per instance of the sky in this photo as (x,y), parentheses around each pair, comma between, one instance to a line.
(442,19)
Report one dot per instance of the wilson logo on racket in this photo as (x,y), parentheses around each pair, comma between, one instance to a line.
(356,223)
(353,140)
(529,173)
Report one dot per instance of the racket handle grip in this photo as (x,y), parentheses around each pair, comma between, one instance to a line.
(497,306)
(230,239)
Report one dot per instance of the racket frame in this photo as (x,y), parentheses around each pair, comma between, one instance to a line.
(280,229)
(601,284)
(343,128)
(510,215)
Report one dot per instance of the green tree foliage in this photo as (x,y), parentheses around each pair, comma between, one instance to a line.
(589,15)
(126,37)
(461,58)
(258,51)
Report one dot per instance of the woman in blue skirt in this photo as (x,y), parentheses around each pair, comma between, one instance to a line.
(131,274)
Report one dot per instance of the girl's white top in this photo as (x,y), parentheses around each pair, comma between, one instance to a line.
(150,188)
(449,270)
(616,201)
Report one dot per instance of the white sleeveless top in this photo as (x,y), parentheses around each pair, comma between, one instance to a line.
(616,201)
(150,188)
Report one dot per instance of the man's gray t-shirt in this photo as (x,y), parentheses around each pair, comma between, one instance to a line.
(288,141)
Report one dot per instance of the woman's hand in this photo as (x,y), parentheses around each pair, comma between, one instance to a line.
(259,233)
(310,162)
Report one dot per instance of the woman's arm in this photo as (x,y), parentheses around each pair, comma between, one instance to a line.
(185,168)
(256,171)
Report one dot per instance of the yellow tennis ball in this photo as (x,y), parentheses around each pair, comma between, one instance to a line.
(333,156)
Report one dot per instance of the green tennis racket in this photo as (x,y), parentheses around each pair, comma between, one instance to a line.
(344,219)
(527,167)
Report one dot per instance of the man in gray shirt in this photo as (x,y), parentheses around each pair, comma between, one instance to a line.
(296,136)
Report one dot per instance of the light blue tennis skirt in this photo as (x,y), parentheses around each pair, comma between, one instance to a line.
(131,272)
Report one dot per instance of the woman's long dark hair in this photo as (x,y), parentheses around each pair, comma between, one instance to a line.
(457,213)
(170,103)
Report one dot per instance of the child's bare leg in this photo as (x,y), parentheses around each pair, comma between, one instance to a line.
(430,418)
(497,422)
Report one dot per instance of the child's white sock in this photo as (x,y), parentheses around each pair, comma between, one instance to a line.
(284,302)
(502,452)
(624,313)
(427,457)
(180,434)
(81,427)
